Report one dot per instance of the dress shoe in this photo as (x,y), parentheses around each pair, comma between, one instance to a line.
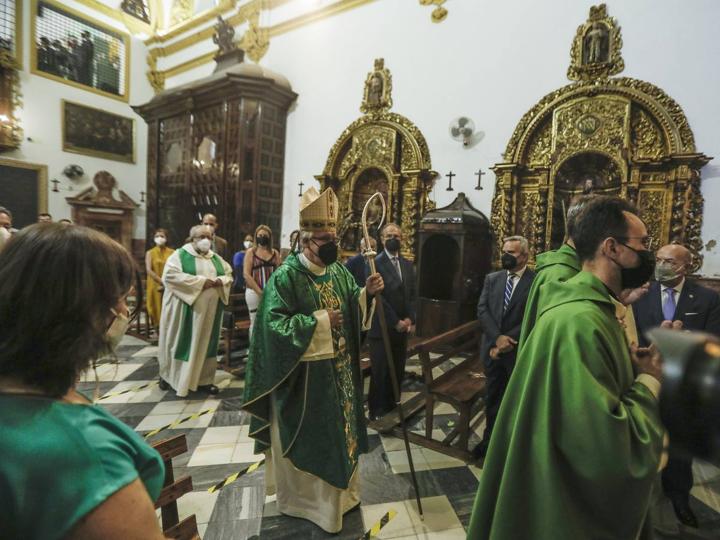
(209,388)
(684,513)
(163,384)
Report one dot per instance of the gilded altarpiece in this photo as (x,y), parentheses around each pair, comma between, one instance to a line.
(616,136)
(381,151)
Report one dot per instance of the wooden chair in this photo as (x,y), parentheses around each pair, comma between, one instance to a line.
(172,490)
(236,328)
(462,386)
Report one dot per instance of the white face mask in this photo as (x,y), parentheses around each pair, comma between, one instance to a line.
(160,240)
(117,329)
(247,244)
(203,245)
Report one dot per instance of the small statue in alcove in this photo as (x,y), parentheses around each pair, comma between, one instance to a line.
(596,44)
(376,90)
(223,36)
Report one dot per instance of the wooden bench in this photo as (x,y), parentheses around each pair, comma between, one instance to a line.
(172,490)
(236,330)
(462,386)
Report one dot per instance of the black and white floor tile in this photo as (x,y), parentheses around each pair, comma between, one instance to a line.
(218,446)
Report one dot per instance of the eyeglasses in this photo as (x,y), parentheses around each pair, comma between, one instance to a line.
(647,241)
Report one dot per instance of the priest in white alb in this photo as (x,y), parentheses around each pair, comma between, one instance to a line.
(197,285)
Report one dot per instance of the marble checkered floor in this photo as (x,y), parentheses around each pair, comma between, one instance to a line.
(218,446)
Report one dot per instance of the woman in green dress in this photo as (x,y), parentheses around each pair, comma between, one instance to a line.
(69,469)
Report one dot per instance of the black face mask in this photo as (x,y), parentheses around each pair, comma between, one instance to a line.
(632,278)
(262,241)
(327,252)
(508,261)
(392,245)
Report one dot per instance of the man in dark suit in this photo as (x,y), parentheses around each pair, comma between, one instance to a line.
(500,310)
(398,299)
(357,264)
(673,297)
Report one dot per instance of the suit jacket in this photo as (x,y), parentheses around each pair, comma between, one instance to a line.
(358,268)
(220,246)
(697,307)
(490,310)
(398,296)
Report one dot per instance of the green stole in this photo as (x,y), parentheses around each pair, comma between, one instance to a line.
(187,261)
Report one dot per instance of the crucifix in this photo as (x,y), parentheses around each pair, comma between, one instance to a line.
(55,183)
(301,186)
(479,174)
(450,177)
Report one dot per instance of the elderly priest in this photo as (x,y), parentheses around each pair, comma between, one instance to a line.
(197,284)
(303,385)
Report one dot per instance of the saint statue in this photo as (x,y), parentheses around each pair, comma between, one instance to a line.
(223,36)
(595,46)
(376,90)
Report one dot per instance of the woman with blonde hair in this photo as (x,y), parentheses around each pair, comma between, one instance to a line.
(155,260)
(260,262)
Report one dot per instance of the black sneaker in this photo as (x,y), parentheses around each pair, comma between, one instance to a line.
(210,389)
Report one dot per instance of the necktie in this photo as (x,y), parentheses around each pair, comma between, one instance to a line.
(508,290)
(396,264)
(668,307)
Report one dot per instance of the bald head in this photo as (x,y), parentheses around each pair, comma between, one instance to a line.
(672,264)
(675,253)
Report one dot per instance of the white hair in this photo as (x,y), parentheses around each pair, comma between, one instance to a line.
(195,230)
(524,246)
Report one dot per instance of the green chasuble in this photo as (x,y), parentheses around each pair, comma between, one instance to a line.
(318,402)
(557,265)
(577,441)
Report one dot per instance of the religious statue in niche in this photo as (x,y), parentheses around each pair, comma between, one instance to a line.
(596,48)
(595,44)
(369,182)
(375,92)
(378,87)
(223,36)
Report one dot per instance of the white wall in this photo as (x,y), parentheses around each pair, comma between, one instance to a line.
(41,121)
(491,61)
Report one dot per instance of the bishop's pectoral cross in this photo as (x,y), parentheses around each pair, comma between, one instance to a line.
(301,186)
(450,176)
(479,174)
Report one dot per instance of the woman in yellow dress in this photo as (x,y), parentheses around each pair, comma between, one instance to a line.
(155,259)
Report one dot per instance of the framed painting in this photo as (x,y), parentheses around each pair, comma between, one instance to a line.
(69,47)
(97,133)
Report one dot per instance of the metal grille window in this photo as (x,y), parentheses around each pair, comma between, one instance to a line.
(78,50)
(8,17)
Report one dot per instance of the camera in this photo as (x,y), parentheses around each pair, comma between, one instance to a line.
(690,395)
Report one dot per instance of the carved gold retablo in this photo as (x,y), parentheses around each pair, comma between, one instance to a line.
(600,134)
